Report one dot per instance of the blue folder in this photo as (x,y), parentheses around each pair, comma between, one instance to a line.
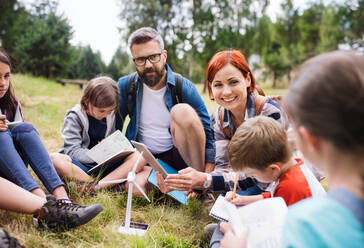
(178,195)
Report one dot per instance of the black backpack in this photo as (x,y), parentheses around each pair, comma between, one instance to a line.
(132,87)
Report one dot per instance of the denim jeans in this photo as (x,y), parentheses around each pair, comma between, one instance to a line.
(20,146)
(218,235)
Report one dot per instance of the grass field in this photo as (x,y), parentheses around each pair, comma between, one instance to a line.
(171,225)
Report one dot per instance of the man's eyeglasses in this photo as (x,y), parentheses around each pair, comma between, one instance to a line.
(153,58)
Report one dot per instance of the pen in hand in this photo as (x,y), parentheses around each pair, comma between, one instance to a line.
(3,123)
(235,184)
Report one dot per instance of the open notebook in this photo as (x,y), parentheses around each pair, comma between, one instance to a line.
(263,220)
(110,150)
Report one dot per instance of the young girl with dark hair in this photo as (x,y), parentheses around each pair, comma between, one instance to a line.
(21,146)
(85,125)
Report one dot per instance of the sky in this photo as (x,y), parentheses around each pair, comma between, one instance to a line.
(96,22)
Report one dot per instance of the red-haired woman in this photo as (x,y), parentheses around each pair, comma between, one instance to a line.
(231,83)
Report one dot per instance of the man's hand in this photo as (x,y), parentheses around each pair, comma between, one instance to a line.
(3,125)
(186,180)
(230,240)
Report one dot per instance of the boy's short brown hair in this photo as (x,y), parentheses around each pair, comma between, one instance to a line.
(258,143)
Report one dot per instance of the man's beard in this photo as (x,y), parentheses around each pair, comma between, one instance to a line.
(151,80)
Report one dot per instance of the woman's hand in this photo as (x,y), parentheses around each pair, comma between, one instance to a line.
(186,180)
(160,182)
(191,194)
(3,126)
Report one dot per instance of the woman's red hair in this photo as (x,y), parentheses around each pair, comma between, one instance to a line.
(233,57)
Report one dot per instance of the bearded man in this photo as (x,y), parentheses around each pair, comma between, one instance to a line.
(177,133)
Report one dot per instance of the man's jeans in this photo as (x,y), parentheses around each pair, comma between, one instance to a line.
(218,235)
(20,146)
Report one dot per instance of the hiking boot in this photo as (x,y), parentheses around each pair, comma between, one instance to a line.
(83,187)
(8,242)
(61,215)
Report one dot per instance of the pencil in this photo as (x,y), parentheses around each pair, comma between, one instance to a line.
(235,184)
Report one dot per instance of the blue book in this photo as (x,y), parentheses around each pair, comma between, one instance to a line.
(178,195)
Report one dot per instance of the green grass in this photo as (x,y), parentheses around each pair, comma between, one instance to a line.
(171,225)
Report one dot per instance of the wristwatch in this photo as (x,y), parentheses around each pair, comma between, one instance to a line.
(208,181)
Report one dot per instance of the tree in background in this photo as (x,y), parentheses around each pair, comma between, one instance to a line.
(85,64)
(44,48)
(331,31)
(194,30)
(351,16)
(14,19)
(120,65)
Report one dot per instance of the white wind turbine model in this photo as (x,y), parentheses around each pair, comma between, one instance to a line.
(130,227)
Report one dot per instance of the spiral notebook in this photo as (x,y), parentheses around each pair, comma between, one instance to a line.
(218,210)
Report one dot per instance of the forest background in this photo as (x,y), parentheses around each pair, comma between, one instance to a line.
(38,38)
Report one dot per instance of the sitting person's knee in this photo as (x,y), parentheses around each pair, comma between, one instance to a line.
(22,128)
(59,159)
(184,115)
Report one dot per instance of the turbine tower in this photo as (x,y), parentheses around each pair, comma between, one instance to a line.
(131,227)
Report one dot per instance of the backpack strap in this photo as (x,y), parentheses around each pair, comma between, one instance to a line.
(259,103)
(349,200)
(226,130)
(177,89)
(276,98)
(131,92)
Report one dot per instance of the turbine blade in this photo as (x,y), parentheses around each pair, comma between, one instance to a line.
(142,191)
(114,181)
(137,162)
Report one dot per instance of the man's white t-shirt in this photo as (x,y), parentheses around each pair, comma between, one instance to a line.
(155,121)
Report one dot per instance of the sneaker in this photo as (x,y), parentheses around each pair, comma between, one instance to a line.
(63,215)
(8,242)
(210,228)
(83,187)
